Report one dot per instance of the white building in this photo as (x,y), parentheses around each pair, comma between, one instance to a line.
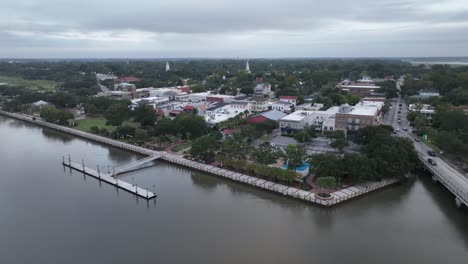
(294,121)
(426,93)
(182,97)
(242,106)
(282,106)
(103,77)
(163,92)
(424,109)
(259,103)
(329,124)
(289,99)
(152,101)
(262,88)
(319,117)
(310,107)
(221,112)
(207,96)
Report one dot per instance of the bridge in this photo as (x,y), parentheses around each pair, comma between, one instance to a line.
(136,165)
(444,172)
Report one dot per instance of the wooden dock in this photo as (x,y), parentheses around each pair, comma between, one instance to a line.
(105,177)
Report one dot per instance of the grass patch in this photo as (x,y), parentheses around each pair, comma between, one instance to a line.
(181,147)
(86,124)
(34,85)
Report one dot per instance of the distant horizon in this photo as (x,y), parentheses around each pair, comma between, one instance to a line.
(232,58)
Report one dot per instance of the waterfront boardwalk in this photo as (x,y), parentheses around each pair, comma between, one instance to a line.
(136,165)
(143,193)
(337,197)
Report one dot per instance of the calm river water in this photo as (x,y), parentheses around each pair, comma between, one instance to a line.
(51,215)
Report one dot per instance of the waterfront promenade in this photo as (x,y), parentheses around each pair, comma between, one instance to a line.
(337,197)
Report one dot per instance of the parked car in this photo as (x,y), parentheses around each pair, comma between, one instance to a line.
(431,153)
(405,129)
(417,139)
(432,162)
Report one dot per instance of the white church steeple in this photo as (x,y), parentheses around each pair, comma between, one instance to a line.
(168,68)
(247,67)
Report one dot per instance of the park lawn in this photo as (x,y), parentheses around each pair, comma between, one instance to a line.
(35,85)
(86,124)
(181,147)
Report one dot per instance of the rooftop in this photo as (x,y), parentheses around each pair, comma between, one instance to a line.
(359,86)
(128,79)
(297,116)
(288,97)
(274,115)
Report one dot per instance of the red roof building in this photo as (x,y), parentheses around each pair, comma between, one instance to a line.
(188,108)
(288,97)
(184,89)
(174,113)
(214,99)
(128,79)
(257,119)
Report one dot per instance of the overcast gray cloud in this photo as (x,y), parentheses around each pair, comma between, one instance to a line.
(245,28)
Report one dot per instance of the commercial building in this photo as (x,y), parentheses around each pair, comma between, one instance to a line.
(317,118)
(294,121)
(220,112)
(363,87)
(310,107)
(282,106)
(272,115)
(424,109)
(427,93)
(259,103)
(289,99)
(352,118)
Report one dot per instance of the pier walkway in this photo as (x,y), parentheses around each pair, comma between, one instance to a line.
(136,165)
(143,193)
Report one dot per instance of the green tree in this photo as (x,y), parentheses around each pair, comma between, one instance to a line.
(339,144)
(145,115)
(295,155)
(198,88)
(91,109)
(124,132)
(327,182)
(204,148)
(116,114)
(49,113)
(94,130)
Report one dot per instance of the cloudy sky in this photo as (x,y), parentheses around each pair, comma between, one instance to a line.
(221,28)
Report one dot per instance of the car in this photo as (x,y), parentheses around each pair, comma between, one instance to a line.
(405,129)
(431,153)
(432,162)
(417,140)
(399,111)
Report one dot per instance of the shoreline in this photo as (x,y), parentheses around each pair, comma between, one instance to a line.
(338,197)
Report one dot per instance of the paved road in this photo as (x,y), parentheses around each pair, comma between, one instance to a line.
(443,167)
(104,89)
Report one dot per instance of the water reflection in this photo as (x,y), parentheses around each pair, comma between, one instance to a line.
(56,136)
(200,179)
(120,157)
(445,202)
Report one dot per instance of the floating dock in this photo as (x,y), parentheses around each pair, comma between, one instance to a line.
(134,189)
